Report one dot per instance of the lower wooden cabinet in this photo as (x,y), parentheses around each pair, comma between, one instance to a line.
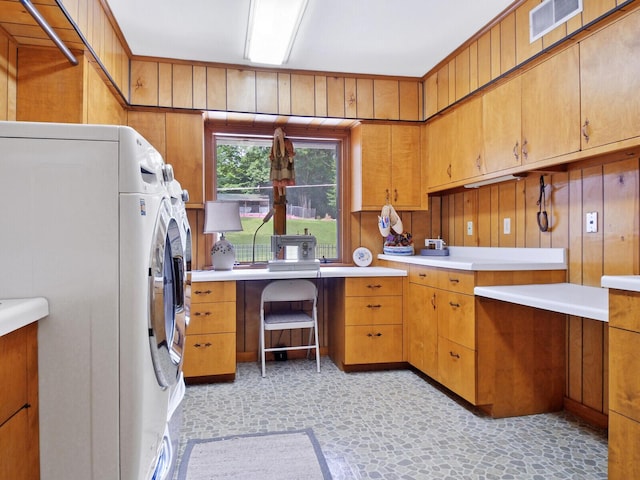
(366,321)
(457,368)
(210,347)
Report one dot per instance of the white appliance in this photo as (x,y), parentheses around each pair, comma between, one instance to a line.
(87,223)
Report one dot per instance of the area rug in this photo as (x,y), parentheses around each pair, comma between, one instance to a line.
(294,455)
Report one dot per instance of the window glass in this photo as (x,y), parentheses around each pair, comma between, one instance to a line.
(242,174)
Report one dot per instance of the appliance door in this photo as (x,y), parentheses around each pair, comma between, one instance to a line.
(167,299)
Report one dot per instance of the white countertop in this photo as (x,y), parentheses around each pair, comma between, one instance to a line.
(15,313)
(264,274)
(568,298)
(621,282)
(490,259)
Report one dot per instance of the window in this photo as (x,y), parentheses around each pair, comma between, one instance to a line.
(242,169)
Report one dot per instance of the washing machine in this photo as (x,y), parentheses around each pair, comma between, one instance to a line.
(90,226)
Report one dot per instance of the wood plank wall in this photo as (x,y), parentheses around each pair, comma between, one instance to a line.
(8,77)
(609,186)
(498,49)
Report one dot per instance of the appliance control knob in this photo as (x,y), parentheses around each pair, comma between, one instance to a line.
(167,173)
(185,195)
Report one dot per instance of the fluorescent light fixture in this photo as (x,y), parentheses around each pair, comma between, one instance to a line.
(273,25)
(490,181)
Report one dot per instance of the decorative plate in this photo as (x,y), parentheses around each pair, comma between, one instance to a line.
(362,257)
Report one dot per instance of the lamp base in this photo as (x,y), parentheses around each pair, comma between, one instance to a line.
(223,255)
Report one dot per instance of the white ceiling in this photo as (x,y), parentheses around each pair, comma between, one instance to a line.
(385,37)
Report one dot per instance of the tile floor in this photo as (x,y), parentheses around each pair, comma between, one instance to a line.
(393,425)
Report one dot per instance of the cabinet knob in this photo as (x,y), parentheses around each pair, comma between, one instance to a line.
(395,194)
(525,149)
(374,334)
(454,305)
(422,275)
(374,306)
(205,314)
(585,130)
(454,280)
(479,163)
(202,292)
(454,355)
(449,171)
(374,286)
(433,301)
(205,345)
(516,155)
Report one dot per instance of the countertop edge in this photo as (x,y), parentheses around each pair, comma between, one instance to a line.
(265,274)
(16,313)
(472,264)
(630,283)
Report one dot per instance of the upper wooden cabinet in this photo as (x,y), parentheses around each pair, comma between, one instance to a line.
(440,145)
(502,120)
(551,107)
(610,83)
(386,167)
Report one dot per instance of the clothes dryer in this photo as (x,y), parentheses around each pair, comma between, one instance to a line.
(90,226)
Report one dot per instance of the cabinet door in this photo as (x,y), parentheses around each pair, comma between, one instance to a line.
(624,364)
(212,317)
(18,460)
(373,344)
(210,354)
(468,154)
(456,318)
(624,455)
(609,82)
(406,169)
(373,310)
(441,145)
(551,108)
(375,168)
(422,329)
(501,119)
(457,368)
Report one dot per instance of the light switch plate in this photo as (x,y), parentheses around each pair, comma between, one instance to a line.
(507,226)
(592,222)
(470,228)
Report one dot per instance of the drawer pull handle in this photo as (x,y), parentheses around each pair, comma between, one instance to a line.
(198,345)
(454,280)
(454,305)
(374,286)
(203,292)
(206,314)
(374,334)
(422,275)
(374,306)
(433,301)
(455,355)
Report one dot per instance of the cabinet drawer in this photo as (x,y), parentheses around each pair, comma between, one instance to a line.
(457,368)
(624,310)
(423,276)
(213,354)
(13,372)
(624,455)
(373,344)
(373,310)
(213,292)
(456,318)
(456,281)
(212,317)
(372,286)
(624,365)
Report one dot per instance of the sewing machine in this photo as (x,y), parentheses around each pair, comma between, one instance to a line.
(293,252)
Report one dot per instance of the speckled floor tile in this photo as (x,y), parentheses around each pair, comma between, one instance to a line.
(393,425)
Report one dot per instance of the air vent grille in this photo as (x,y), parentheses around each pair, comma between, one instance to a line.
(549,14)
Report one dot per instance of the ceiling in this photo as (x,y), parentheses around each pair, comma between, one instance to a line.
(380,37)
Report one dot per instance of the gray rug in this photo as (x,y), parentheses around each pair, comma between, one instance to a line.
(294,455)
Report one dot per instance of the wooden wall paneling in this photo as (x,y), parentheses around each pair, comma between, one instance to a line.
(370,234)
(199,87)
(409,97)
(303,95)
(532,232)
(507,209)
(144,83)
(525,49)
(152,126)
(443,87)
(470,215)
(605,368)
(576,226)
(335,97)
(482,227)
(216,88)
(241,90)
(574,358)
(356,233)
(485,58)
(495,217)
(435,207)
(559,211)
(4,76)
(573,24)
(185,151)
(620,218)
(592,362)
(592,9)
(386,99)
(447,236)
(51,89)
(508,43)
(364,97)
(462,74)
(459,229)
(267,92)
(431,95)
(102,106)
(452,81)
(350,97)
(555,35)
(420,228)
(521,212)
(320,83)
(165,84)
(495,52)
(593,243)
(182,86)
(284,94)
(473,66)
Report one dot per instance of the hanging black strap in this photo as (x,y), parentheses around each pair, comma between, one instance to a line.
(543,219)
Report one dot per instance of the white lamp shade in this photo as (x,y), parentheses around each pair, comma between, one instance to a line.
(220,217)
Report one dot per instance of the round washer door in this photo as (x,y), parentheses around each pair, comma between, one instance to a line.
(166,299)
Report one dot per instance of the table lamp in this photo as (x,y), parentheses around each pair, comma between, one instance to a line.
(221,217)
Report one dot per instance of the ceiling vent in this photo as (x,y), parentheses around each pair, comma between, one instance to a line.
(549,14)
